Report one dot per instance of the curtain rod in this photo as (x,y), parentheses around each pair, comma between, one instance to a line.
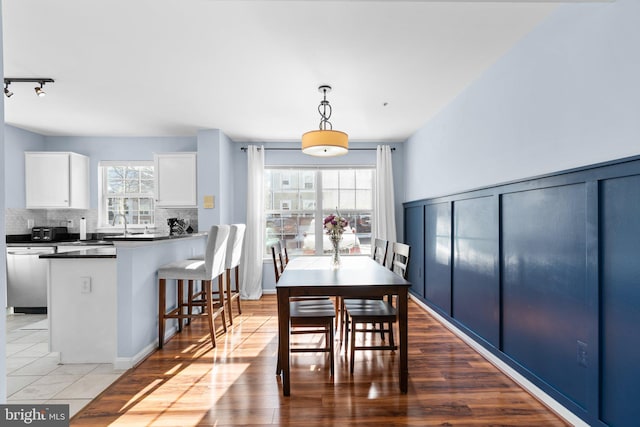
(298,149)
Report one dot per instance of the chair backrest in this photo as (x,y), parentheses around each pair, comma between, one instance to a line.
(400,260)
(276,255)
(234,245)
(214,257)
(284,255)
(379,251)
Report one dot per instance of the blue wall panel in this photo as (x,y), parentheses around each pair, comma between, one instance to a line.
(620,297)
(476,285)
(414,237)
(437,228)
(545,274)
(544,284)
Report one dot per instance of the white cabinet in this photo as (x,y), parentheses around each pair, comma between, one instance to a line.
(175,179)
(56,180)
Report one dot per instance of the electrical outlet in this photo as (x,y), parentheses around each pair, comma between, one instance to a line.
(85,285)
(582,354)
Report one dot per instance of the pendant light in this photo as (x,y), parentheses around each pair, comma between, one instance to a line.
(325,142)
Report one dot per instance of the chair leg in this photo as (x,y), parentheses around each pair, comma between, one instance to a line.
(238,289)
(342,318)
(331,349)
(206,284)
(162,303)
(180,302)
(353,344)
(227,300)
(189,300)
(221,301)
(345,328)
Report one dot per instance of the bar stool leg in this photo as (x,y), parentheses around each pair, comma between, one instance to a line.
(180,303)
(221,302)
(238,289)
(227,300)
(206,284)
(189,300)
(162,283)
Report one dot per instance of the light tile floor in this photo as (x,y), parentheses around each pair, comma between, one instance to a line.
(34,375)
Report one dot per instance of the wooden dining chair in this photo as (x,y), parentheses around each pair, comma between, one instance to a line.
(379,251)
(378,254)
(276,256)
(400,260)
(379,312)
(314,315)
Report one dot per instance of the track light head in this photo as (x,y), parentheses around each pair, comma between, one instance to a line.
(39,90)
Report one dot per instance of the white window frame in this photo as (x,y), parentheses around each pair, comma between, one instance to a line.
(103,224)
(317,202)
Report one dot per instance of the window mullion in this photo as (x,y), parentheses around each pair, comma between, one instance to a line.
(318,215)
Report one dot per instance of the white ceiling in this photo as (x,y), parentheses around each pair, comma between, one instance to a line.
(249,68)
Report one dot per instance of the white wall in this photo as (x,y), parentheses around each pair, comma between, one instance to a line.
(567,95)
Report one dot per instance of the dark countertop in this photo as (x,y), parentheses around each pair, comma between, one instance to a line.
(24,240)
(105,252)
(146,237)
(79,243)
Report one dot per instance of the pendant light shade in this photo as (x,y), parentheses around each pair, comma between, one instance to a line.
(325,142)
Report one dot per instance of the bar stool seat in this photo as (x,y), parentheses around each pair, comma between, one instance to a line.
(205,270)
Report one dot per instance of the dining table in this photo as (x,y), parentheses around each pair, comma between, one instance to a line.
(357,276)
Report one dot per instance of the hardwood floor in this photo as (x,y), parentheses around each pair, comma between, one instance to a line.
(188,383)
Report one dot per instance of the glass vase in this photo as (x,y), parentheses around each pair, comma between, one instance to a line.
(335,256)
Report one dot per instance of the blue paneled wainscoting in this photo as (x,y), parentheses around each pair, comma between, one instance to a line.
(544,273)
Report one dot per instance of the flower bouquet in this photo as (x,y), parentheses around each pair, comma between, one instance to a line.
(335,225)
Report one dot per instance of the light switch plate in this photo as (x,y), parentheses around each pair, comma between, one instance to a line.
(209,202)
(85,285)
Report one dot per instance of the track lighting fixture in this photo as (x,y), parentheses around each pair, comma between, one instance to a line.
(7,92)
(38,89)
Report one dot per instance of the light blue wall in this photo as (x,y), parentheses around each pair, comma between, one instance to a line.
(17,141)
(211,178)
(116,148)
(3,261)
(567,95)
(97,148)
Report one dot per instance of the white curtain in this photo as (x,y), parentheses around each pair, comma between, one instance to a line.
(251,288)
(384,217)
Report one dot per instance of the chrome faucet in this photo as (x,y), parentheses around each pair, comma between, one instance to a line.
(124,219)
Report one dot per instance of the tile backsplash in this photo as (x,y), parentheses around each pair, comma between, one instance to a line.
(17,220)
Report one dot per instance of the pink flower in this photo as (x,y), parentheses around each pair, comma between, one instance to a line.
(335,224)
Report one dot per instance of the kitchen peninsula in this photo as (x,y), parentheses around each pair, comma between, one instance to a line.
(103,302)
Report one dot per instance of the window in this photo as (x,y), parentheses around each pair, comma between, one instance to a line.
(127,188)
(296,201)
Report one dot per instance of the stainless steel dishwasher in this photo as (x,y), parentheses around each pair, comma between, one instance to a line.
(27,278)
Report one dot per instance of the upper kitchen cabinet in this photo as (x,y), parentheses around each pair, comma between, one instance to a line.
(175,180)
(56,180)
